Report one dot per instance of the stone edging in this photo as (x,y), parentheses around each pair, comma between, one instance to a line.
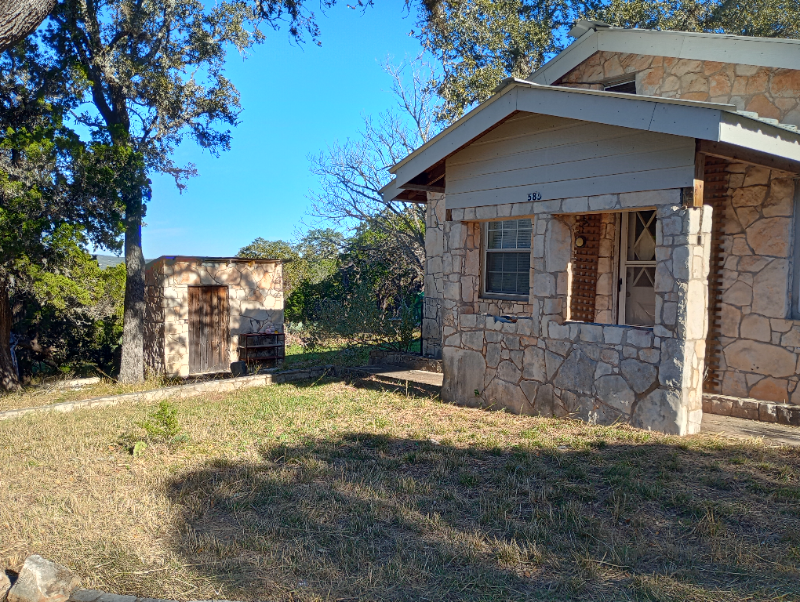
(178,391)
(751,409)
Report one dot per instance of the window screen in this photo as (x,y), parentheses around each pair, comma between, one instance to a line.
(508,257)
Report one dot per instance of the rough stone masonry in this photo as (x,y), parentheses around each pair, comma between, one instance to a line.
(549,365)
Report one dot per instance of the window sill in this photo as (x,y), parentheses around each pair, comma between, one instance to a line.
(501,297)
(648,328)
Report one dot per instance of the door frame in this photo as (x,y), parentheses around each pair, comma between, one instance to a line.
(221,324)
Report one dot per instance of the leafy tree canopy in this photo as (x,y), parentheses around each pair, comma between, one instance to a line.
(481,42)
(53,197)
(69,317)
(311,258)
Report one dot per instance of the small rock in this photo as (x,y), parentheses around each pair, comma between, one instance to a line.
(85,595)
(43,581)
(239,368)
(5,585)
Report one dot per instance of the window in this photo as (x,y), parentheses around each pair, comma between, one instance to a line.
(623,87)
(507,258)
(637,296)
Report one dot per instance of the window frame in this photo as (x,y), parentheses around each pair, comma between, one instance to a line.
(623,263)
(484,249)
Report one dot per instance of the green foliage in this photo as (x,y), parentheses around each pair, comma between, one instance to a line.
(480,42)
(51,206)
(763,18)
(162,426)
(360,290)
(308,262)
(44,188)
(69,316)
(138,449)
(358,319)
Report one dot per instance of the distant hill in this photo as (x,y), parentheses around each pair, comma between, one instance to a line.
(108,261)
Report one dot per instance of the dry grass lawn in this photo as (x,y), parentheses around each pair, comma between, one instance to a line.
(328,491)
(48,393)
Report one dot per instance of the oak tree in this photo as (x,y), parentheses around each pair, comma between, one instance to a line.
(18,18)
(53,189)
(150,75)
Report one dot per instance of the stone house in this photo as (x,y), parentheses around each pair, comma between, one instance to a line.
(198,306)
(614,237)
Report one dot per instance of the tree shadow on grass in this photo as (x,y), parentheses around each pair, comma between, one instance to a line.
(369,517)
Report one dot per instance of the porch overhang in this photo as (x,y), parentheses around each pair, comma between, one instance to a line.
(719,125)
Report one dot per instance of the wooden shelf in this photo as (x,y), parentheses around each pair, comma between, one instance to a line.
(259,347)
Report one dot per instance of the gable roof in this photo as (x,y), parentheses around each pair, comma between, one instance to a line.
(712,122)
(594,36)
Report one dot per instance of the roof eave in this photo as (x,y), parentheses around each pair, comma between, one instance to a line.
(691,119)
(762,52)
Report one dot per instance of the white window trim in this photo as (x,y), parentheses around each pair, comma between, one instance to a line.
(484,294)
(624,262)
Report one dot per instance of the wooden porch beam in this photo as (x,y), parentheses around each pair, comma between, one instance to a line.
(744,155)
(422,187)
(699,178)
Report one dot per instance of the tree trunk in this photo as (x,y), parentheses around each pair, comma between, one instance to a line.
(18,18)
(132,364)
(8,375)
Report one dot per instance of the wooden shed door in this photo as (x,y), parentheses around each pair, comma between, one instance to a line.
(208,329)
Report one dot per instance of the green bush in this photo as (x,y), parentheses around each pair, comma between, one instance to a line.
(162,426)
(360,319)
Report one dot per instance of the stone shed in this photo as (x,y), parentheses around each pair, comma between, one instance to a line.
(198,306)
(615,238)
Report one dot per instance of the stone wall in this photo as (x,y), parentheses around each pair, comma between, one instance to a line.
(434,276)
(760,341)
(544,364)
(255,290)
(604,298)
(770,92)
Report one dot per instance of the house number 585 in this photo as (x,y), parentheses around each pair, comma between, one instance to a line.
(535,196)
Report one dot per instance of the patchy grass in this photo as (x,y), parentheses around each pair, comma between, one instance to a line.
(47,393)
(330,491)
(298,356)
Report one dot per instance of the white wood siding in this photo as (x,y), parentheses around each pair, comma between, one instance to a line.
(563,158)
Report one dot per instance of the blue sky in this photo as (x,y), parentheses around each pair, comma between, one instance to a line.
(296,101)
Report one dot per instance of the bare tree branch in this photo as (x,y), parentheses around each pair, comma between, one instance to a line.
(352,173)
